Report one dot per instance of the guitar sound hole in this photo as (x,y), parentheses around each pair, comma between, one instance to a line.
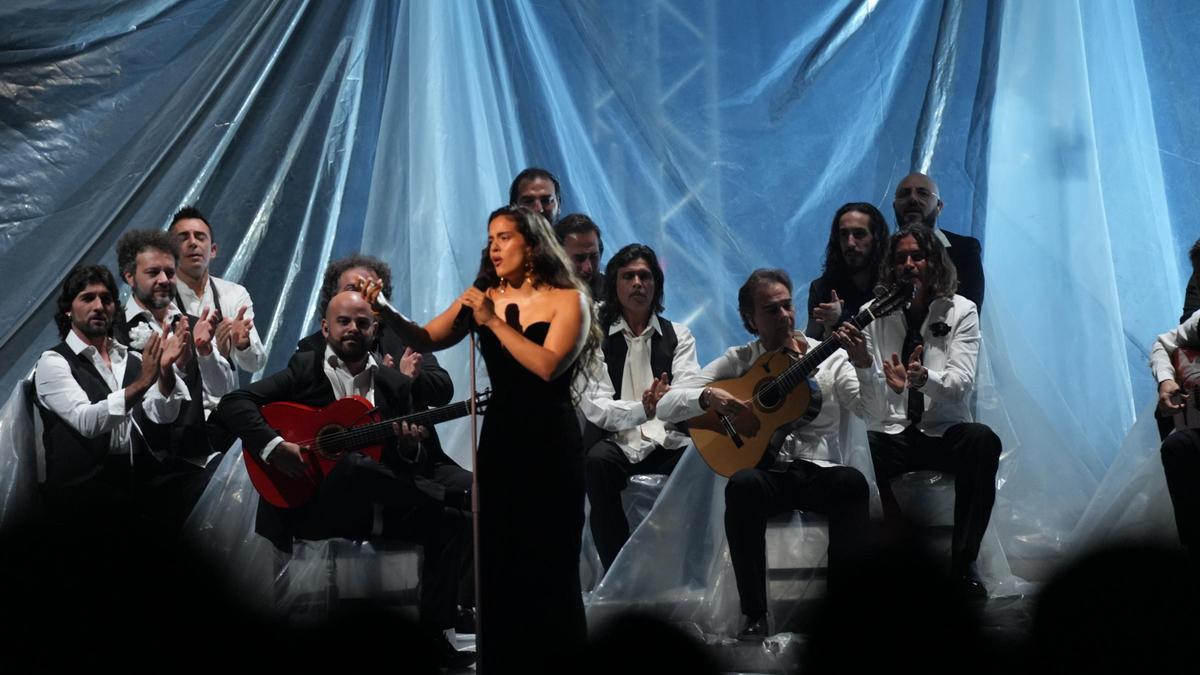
(769,395)
(326,444)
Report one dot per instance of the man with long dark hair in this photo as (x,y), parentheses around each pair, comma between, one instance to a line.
(643,353)
(99,468)
(537,190)
(921,371)
(851,267)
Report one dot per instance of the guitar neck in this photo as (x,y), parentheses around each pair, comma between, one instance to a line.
(378,432)
(801,369)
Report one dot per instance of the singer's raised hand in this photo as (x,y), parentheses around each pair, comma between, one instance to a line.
(481,305)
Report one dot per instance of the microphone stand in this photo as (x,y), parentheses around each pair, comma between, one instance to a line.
(475,504)
(383,302)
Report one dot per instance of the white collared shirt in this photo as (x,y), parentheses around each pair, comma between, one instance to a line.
(233,298)
(950,359)
(626,416)
(216,375)
(344,384)
(937,233)
(59,393)
(816,441)
(1186,334)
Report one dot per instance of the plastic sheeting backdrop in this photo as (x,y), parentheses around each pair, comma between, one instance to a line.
(724,135)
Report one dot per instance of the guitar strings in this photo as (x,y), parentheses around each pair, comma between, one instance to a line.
(362,435)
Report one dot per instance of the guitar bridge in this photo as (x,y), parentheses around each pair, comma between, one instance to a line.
(730,431)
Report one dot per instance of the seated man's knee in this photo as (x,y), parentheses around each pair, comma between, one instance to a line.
(1180,445)
(743,490)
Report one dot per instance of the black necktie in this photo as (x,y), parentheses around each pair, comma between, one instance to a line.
(916,399)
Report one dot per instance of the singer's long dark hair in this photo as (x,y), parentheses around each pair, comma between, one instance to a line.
(551,267)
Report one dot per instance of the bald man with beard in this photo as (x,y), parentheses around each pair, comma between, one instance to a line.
(360,498)
(918,202)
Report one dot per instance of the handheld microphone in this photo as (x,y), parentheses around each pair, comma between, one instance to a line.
(464,318)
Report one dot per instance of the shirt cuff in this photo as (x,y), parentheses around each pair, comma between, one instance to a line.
(116,403)
(269,447)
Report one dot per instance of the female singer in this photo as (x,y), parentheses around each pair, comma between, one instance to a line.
(535,328)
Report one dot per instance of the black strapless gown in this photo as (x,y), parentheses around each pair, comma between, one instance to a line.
(531,494)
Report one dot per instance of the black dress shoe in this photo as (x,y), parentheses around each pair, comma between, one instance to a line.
(756,628)
(447,657)
(464,621)
(971,587)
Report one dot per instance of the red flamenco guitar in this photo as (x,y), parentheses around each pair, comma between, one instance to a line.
(350,424)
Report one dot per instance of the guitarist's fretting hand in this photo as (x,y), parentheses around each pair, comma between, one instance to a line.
(1170,397)
(410,434)
(288,458)
(855,343)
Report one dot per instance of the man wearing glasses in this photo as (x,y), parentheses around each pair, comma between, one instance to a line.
(917,395)
(917,203)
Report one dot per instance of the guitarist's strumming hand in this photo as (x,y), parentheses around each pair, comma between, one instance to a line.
(654,394)
(288,458)
(855,344)
(722,402)
(1171,398)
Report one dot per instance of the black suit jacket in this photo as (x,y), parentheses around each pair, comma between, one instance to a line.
(967,256)
(304,381)
(432,389)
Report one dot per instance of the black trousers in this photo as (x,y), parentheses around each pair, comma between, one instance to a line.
(970,451)
(413,511)
(160,493)
(457,480)
(606,472)
(1181,463)
(753,495)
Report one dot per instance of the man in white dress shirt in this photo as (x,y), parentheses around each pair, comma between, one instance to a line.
(100,403)
(643,353)
(196,290)
(806,473)
(147,262)
(1181,448)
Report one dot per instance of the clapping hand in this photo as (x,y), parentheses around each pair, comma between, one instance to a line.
(654,394)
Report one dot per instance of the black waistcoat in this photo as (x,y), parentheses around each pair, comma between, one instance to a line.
(189,436)
(662,355)
(70,456)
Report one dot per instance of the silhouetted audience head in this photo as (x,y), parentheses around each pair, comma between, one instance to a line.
(1128,609)
(640,644)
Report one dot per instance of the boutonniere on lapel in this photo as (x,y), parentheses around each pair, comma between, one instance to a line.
(940,329)
(138,336)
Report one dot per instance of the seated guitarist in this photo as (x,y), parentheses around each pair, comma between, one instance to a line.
(805,474)
(431,384)
(1180,449)
(360,498)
